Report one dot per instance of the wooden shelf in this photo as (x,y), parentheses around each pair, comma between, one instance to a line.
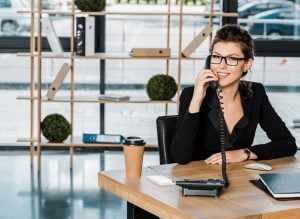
(109,56)
(94,99)
(36,56)
(150,143)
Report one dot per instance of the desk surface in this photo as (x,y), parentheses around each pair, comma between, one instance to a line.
(240,200)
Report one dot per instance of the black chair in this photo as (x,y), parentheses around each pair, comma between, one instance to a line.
(165,126)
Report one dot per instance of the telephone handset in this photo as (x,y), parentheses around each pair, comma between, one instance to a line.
(212,84)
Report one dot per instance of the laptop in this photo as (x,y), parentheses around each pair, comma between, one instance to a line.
(282,185)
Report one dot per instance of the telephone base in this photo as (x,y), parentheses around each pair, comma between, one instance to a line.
(201,192)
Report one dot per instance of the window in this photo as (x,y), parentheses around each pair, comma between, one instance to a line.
(5,4)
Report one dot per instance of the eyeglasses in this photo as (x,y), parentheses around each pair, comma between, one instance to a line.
(229,60)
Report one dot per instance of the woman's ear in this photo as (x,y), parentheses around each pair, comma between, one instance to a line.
(248,64)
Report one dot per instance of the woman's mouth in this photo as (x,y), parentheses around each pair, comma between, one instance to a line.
(222,75)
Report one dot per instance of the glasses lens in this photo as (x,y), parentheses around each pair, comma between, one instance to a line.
(216,59)
(232,60)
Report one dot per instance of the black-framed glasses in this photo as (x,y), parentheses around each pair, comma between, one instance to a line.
(229,60)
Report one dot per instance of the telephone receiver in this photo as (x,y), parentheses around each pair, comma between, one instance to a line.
(212,84)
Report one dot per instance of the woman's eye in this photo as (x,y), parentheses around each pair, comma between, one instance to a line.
(215,56)
(232,58)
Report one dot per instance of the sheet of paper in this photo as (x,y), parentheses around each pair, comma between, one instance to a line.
(161,180)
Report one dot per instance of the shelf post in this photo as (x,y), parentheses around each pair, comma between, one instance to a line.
(100,47)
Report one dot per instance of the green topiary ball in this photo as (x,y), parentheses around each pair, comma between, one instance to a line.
(55,128)
(161,87)
(90,5)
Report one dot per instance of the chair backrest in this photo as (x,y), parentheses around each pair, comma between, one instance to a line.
(165,126)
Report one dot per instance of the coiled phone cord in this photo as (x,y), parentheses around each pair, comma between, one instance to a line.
(222,137)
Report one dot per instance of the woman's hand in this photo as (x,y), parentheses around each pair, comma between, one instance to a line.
(201,84)
(234,156)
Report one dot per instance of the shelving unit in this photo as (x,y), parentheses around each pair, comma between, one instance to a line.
(36,57)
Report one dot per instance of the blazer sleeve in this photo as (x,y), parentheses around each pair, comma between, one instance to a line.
(282,143)
(183,142)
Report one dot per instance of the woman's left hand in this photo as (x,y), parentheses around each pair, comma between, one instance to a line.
(234,156)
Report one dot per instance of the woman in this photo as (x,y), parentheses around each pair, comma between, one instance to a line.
(245,105)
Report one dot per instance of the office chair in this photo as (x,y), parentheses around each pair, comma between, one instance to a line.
(165,126)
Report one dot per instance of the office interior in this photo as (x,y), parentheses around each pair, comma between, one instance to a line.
(58,191)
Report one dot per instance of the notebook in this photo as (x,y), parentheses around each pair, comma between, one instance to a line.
(113,97)
(282,185)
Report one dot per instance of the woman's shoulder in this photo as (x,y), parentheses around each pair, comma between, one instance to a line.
(188,89)
(256,87)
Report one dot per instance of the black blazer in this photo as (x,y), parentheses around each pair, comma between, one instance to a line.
(197,134)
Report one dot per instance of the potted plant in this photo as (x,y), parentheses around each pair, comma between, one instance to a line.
(55,128)
(161,87)
(90,5)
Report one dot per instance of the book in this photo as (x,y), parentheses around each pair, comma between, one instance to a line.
(80,36)
(282,185)
(85,36)
(89,36)
(57,82)
(113,97)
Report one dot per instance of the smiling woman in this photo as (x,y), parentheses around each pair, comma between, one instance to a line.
(243,105)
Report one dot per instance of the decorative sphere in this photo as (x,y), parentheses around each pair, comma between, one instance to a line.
(90,5)
(55,128)
(161,87)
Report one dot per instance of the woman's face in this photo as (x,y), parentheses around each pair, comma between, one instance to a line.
(229,74)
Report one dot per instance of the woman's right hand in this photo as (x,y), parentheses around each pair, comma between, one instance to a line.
(201,83)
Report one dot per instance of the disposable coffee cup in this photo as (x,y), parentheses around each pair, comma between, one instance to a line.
(133,148)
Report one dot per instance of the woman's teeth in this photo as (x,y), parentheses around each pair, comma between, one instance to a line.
(222,75)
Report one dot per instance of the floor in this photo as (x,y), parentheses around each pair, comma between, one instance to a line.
(57,192)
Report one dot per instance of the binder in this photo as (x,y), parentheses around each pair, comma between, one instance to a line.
(90,36)
(102,138)
(193,45)
(80,36)
(52,38)
(150,52)
(61,75)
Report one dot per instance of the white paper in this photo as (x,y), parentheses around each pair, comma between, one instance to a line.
(160,180)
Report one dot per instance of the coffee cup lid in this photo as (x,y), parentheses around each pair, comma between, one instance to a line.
(134,140)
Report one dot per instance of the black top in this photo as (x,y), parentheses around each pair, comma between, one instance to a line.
(197,134)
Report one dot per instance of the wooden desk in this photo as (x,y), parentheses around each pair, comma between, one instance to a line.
(240,200)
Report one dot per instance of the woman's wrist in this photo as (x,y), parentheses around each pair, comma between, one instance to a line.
(195,105)
(248,154)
